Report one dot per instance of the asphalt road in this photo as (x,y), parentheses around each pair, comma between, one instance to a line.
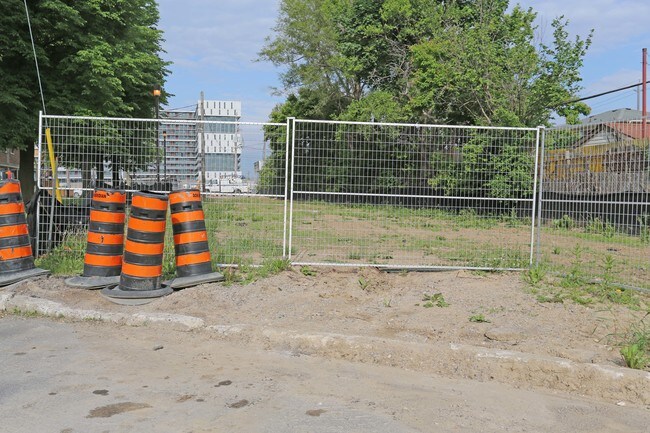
(98,377)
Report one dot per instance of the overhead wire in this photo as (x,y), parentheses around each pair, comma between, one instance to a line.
(38,71)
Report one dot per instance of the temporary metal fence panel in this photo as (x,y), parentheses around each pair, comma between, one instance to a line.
(245,223)
(412,196)
(595,202)
(368,194)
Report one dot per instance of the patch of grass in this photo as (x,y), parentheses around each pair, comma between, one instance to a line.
(552,298)
(26,313)
(434,300)
(512,219)
(575,277)
(67,258)
(535,275)
(644,228)
(634,356)
(355,256)
(364,283)
(635,349)
(307,271)
(597,226)
(489,256)
(564,223)
(478,318)
(246,273)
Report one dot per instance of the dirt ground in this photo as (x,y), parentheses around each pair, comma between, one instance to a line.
(391,307)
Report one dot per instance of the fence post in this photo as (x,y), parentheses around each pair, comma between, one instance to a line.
(532,218)
(291,186)
(540,192)
(290,121)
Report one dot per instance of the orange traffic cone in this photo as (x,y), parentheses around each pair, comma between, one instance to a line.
(103,259)
(193,262)
(16,259)
(140,280)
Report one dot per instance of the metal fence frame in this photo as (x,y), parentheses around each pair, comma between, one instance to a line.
(288,190)
(296,123)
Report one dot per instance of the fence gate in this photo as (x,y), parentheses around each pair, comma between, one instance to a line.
(412,196)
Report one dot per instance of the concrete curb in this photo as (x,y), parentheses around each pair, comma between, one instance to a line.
(450,360)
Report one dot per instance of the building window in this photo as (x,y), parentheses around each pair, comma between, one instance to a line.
(219,162)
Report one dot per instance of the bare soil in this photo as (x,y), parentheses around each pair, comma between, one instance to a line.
(391,306)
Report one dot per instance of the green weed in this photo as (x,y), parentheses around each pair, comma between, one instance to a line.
(597,226)
(553,298)
(25,313)
(644,228)
(635,356)
(565,223)
(307,271)
(434,300)
(535,275)
(363,283)
(478,318)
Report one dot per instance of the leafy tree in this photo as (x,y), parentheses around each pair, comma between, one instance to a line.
(97,58)
(465,62)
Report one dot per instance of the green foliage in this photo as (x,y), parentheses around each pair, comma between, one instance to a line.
(434,300)
(419,61)
(535,275)
(566,223)
(644,228)
(97,58)
(444,62)
(307,271)
(246,273)
(478,318)
(486,168)
(597,226)
(364,283)
(635,356)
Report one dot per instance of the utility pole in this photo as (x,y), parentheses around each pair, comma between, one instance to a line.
(202,142)
(644,97)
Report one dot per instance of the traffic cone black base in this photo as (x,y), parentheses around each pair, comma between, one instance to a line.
(134,297)
(14,277)
(92,283)
(195,280)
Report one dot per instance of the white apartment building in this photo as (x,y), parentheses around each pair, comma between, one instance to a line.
(222,139)
(213,146)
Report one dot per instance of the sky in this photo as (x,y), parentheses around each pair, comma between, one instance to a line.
(213,46)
